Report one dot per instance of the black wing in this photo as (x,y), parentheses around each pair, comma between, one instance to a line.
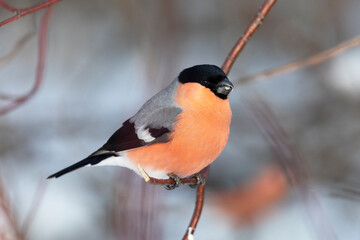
(126,138)
(123,139)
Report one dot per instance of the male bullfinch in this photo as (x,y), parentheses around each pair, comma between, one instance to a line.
(179,131)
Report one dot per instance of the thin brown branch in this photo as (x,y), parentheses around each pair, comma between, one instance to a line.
(20,234)
(199,195)
(35,204)
(348,189)
(186,181)
(7,6)
(13,52)
(40,65)
(20,12)
(17,47)
(240,44)
(8,213)
(171,181)
(200,192)
(307,62)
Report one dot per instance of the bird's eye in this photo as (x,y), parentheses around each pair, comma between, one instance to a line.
(204,82)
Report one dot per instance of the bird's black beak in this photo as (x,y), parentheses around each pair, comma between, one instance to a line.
(224,87)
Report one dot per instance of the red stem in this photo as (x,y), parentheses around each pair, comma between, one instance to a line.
(197,211)
(188,180)
(20,12)
(40,66)
(34,207)
(240,44)
(7,6)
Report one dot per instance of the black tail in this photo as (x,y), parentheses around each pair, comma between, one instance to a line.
(92,160)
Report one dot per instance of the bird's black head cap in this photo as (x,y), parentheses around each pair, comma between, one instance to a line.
(210,76)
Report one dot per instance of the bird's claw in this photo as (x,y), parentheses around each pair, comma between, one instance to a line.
(199,180)
(176,183)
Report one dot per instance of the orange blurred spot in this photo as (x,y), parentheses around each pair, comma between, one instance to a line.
(246,203)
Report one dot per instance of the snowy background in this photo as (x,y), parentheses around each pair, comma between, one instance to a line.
(106,58)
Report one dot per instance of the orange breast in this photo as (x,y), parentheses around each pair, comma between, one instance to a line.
(200,134)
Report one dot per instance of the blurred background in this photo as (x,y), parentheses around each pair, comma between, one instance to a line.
(106,58)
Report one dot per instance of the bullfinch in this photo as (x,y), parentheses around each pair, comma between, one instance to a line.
(178,132)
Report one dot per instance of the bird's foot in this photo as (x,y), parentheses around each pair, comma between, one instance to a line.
(176,183)
(176,180)
(199,180)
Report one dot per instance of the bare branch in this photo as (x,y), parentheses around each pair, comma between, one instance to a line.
(188,180)
(40,66)
(35,204)
(7,6)
(240,44)
(9,215)
(17,47)
(307,62)
(20,233)
(20,12)
(199,195)
(197,212)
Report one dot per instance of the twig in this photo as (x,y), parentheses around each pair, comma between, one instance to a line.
(40,65)
(17,47)
(20,234)
(189,180)
(6,209)
(20,12)
(12,53)
(240,44)
(310,61)
(7,6)
(189,235)
(35,204)
(347,190)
